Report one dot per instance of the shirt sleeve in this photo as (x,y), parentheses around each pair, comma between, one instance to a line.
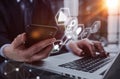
(1,50)
(67,45)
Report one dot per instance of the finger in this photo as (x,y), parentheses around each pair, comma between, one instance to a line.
(42,54)
(39,46)
(19,40)
(76,50)
(88,48)
(92,50)
(100,49)
(24,37)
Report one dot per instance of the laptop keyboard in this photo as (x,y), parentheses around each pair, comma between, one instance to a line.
(87,64)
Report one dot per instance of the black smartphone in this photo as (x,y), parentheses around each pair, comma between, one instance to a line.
(36,33)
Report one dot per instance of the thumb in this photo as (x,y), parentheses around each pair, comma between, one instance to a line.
(19,40)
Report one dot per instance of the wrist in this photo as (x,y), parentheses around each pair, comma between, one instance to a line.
(68,45)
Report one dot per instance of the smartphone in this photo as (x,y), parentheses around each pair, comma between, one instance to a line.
(36,33)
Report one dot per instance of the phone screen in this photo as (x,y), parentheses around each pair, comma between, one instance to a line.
(37,33)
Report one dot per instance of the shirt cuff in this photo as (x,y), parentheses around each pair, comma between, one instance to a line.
(67,46)
(1,50)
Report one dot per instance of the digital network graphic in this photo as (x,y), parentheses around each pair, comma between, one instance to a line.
(73,31)
(18,70)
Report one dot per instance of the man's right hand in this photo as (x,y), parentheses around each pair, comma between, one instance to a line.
(17,51)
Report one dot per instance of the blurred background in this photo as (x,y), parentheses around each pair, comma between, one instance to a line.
(106,11)
(89,11)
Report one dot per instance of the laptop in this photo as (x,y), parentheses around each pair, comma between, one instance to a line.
(113,72)
(70,65)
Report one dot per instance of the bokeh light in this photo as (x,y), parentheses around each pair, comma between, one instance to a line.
(112,4)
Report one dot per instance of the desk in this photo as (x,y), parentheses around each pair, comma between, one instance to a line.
(16,70)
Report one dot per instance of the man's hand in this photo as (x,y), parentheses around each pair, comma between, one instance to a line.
(17,51)
(86,47)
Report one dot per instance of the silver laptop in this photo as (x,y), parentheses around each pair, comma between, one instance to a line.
(77,67)
(113,72)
